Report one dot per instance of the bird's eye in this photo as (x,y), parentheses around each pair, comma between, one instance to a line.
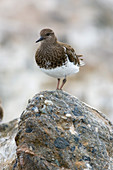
(47,34)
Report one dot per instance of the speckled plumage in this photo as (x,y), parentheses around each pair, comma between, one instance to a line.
(55,58)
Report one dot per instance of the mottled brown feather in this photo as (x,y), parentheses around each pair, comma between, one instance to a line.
(73,57)
(50,57)
(52,54)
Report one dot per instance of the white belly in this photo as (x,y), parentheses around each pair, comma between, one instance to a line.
(60,72)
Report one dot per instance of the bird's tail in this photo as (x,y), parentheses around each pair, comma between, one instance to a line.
(80,60)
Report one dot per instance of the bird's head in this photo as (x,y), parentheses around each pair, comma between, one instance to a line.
(47,35)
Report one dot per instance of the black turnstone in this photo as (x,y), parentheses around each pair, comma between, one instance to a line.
(55,58)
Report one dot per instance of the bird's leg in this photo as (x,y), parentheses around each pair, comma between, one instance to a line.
(58,84)
(63,82)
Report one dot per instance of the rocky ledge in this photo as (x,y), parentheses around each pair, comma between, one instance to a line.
(58,131)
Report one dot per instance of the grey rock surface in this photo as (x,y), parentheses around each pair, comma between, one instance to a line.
(8,132)
(58,131)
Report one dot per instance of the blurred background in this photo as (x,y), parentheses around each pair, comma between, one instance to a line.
(86,25)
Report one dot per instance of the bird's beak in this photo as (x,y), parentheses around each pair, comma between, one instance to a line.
(40,39)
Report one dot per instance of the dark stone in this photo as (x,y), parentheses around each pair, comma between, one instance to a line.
(37,114)
(76,139)
(64,134)
(15,164)
(86,158)
(34,108)
(57,130)
(80,145)
(3,127)
(28,130)
(61,143)
(93,150)
(37,98)
(73,148)
(77,111)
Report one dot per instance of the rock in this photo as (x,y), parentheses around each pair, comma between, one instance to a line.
(58,131)
(7,144)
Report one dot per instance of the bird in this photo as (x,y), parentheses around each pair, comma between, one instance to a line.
(56,59)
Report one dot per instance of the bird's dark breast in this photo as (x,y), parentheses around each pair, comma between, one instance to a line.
(50,58)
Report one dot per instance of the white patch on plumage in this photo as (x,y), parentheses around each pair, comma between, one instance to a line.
(64,49)
(81,62)
(59,72)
